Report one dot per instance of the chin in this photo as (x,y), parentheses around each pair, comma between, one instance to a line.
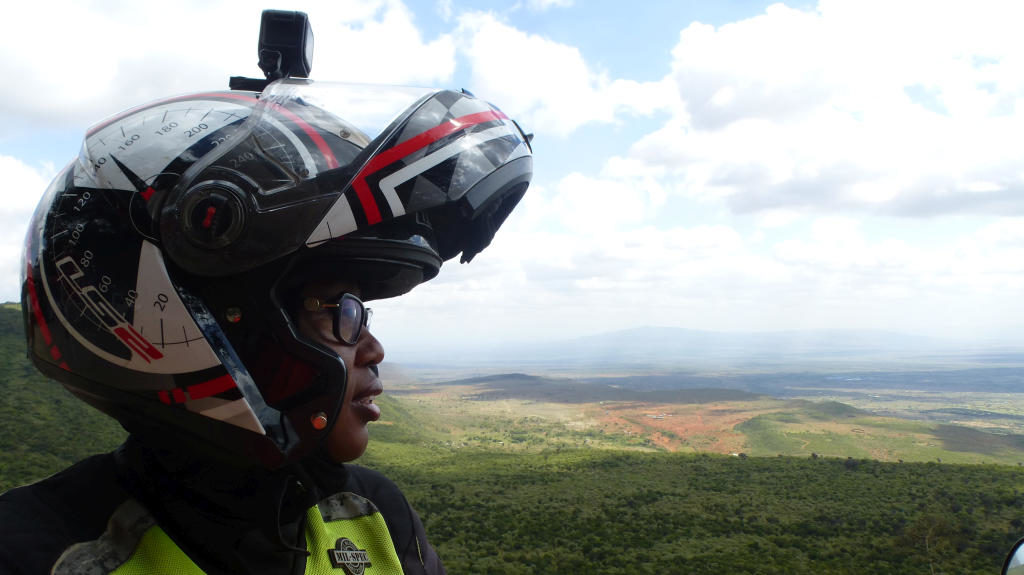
(348,448)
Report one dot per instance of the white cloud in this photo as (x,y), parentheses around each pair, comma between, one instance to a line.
(23,186)
(816,110)
(789,133)
(94,59)
(777,218)
(544,5)
(593,206)
(91,60)
(547,86)
(554,285)
(385,48)
(538,283)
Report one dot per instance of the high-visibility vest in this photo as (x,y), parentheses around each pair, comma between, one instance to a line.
(345,534)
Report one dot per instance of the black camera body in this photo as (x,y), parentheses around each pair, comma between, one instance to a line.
(285,49)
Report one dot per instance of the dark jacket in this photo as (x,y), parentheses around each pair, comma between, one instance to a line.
(228,521)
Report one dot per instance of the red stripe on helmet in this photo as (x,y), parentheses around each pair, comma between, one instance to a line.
(417,142)
(37,311)
(310,131)
(391,155)
(367,200)
(137,343)
(197,391)
(212,387)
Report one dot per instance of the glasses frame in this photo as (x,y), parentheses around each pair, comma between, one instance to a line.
(314,304)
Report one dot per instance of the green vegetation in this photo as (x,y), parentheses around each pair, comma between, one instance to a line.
(526,486)
(593,511)
(45,428)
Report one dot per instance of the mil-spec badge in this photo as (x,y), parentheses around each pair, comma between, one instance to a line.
(348,557)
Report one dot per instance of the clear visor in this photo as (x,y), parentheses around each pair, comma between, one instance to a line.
(315,162)
(368,108)
(307,128)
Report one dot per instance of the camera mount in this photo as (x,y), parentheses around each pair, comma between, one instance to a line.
(285,49)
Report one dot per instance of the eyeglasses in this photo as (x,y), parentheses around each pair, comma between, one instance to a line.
(348,313)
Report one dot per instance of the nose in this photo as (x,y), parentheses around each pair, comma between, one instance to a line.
(369,351)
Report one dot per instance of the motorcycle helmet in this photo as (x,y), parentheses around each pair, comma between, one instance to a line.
(162,265)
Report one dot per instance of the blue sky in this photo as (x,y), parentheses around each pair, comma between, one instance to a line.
(732,166)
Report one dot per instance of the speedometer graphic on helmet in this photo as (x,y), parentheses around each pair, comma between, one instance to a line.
(117,296)
(117,154)
(130,315)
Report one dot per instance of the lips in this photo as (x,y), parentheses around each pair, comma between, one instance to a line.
(362,401)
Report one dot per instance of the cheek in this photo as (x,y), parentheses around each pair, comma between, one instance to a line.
(347,355)
(316,328)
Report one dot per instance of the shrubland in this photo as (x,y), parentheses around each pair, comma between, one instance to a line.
(533,493)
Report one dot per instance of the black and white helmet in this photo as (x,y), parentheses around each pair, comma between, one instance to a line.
(161,264)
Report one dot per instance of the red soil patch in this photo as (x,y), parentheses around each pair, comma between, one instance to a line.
(704,427)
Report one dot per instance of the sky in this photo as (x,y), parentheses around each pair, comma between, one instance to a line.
(727,166)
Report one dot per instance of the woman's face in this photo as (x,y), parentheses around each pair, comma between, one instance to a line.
(348,438)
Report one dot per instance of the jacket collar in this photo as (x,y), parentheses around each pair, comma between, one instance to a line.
(228,519)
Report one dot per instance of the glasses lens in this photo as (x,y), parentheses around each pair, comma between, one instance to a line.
(349,320)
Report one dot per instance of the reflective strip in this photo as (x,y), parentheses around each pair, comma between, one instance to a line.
(156,553)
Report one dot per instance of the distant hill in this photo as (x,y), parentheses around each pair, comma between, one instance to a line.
(664,346)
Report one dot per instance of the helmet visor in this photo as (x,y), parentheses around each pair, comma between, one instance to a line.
(315,162)
(305,128)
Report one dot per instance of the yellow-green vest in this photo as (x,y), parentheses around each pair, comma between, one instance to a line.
(345,534)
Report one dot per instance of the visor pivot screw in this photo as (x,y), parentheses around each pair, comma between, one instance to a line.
(345,134)
(212,214)
(233,314)
(319,421)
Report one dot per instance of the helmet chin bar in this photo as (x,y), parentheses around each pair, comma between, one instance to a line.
(284,377)
(291,378)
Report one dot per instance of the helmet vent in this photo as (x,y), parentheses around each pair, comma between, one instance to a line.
(214,215)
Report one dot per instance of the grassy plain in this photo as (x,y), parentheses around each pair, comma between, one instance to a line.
(526,474)
(517,412)
(560,498)
(535,474)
